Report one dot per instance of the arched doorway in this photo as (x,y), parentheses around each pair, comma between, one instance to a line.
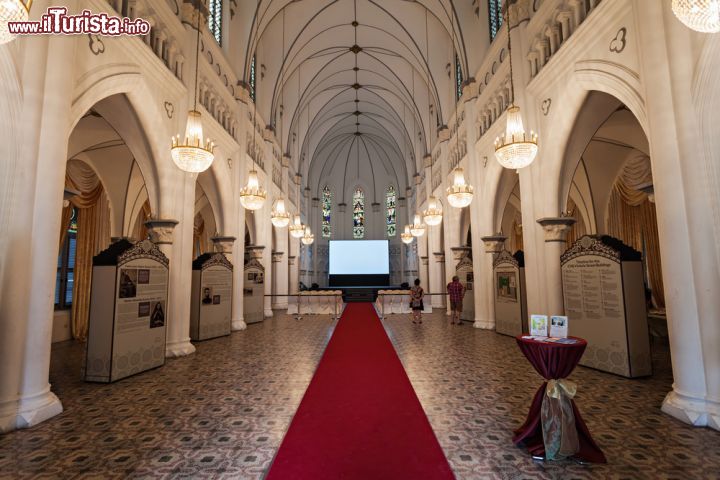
(607,186)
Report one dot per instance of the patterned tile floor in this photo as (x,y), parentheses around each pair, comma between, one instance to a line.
(222,412)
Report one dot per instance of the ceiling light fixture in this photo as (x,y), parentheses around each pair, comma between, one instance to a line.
(407,237)
(191,154)
(515,149)
(417,228)
(699,15)
(12,11)
(460,194)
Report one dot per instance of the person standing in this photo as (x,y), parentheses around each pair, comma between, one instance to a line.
(456,291)
(416,301)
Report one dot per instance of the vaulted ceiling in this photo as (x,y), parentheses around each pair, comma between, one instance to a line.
(351,85)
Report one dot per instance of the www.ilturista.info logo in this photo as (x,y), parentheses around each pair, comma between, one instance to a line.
(57,22)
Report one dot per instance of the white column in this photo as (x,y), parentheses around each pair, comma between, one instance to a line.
(556,230)
(181,257)
(280,280)
(683,197)
(30,261)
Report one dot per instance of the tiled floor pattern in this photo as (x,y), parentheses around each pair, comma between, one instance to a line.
(476,387)
(222,412)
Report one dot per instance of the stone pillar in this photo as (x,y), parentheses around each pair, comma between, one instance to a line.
(293,274)
(29,255)
(438,301)
(423,273)
(684,165)
(280,282)
(556,230)
(164,233)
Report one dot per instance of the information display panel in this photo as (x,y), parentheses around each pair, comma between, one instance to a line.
(605,304)
(128,311)
(211,305)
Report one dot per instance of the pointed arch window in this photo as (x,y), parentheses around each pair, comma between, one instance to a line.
(253,78)
(65,277)
(326,212)
(390,200)
(215,19)
(358,213)
(495,17)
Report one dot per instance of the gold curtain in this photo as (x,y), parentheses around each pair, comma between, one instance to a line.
(93,235)
(631,218)
(199,238)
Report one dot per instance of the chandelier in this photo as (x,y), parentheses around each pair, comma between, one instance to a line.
(515,149)
(279,216)
(699,15)
(460,194)
(406,236)
(252,196)
(12,11)
(433,214)
(417,228)
(297,229)
(308,238)
(193,153)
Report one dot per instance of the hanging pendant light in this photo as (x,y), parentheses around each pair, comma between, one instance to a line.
(12,11)
(252,195)
(433,214)
(308,238)
(515,149)
(406,236)
(460,194)
(417,228)
(699,15)
(280,217)
(193,153)
(297,229)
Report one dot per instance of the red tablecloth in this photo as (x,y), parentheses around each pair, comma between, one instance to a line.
(554,361)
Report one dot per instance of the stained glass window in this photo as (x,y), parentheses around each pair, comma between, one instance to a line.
(458,77)
(253,76)
(358,213)
(495,16)
(215,19)
(390,199)
(326,212)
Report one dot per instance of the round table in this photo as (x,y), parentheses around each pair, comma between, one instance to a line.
(554,361)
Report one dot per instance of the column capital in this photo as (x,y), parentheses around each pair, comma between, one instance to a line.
(461,252)
(494,243)
(223,244)
(255,251)
(291,260)
(277,257)
(439,257)
(556,228)
(161,230)
(424,260)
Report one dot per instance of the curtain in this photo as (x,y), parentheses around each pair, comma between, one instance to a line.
(64,224)
(93,235)
(200,241)
(632,218)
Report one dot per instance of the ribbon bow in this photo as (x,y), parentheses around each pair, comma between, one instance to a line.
(558,421)
(555,388)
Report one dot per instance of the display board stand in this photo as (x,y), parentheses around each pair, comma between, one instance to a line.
(604,296)
(510,297)
(253,292)
(128,306)
(211,302)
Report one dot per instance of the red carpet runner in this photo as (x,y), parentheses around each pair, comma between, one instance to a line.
(360,417)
